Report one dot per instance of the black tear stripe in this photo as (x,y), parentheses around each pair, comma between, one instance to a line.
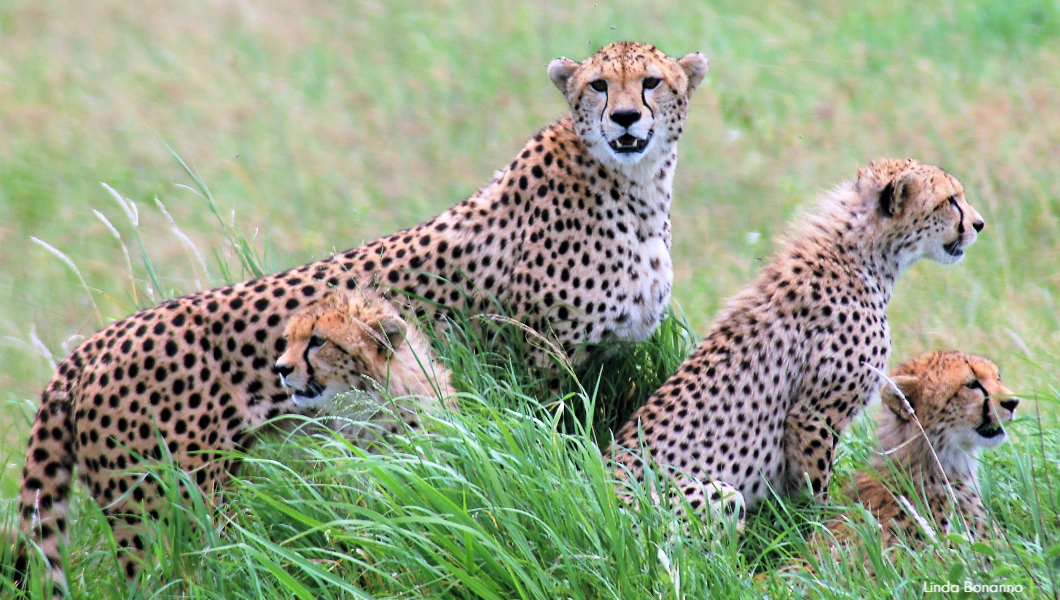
(986,411)
(308,365)
(960,213)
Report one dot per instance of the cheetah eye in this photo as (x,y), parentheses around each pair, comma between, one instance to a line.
(599,85)
(953,201)
(316,341)
(650,83)
(975,385)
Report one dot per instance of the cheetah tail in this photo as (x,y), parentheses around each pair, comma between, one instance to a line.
(47,481)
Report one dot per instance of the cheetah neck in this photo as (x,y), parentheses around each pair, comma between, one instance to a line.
(650,199)
(908,450)
(645,187)
(846,231)
(415,372)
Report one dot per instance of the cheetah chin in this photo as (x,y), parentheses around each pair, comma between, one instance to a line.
(954,249)
(630,144)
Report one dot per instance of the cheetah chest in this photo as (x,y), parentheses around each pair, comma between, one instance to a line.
(645,291)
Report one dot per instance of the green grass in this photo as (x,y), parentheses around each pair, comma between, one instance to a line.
(319,127)
(495,502)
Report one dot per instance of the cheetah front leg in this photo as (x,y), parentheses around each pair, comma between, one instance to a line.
(809,442)
(715,501)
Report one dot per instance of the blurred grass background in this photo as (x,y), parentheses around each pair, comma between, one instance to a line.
(322,125)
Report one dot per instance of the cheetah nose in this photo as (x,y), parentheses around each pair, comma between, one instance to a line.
(1010,404)
(978,225)
(284,370)
(625,118)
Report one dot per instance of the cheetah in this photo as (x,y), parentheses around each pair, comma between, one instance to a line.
(357,341)
(348,346)
(572,238)
(960,403)
(760,403)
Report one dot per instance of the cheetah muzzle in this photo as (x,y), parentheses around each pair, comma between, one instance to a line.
(309,395)
(305,394)
(988,428)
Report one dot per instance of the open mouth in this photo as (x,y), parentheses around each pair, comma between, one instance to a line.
(629,144)
(954,248)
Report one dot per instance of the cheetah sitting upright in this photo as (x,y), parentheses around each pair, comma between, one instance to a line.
(572,238)
(762,400)
(959,402)
(356,341)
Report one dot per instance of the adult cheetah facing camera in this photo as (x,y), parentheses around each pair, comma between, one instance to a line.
(959,401)
(793,357)
(572,238)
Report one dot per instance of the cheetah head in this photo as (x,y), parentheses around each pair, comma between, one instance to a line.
(629,100)
(922,210)
(958,399)
(340,344)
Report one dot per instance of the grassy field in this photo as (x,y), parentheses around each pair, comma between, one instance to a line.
(318,126)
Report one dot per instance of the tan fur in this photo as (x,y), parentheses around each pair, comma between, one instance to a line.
(571,237)
(762,400)
(951,394)
(357,341)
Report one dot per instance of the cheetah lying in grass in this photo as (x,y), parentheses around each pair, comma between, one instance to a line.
(947,407)
(571,238)
(761,402)
(348,354)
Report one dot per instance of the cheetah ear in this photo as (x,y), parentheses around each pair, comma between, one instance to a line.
(910,389)
(560,71)
(391,331)
(896,194)
(866,178)
(695,67)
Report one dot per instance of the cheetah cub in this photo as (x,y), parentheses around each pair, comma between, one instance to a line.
(357,341)
(761,402)
(960,403)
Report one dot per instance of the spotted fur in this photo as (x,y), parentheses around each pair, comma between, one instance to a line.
(760,402)
(571,237)
(350,345)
